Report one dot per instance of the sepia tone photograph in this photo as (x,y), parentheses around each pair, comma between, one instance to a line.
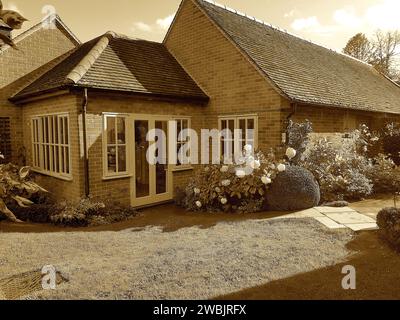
(191,150)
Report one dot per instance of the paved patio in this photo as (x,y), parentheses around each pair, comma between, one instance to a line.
(338,218)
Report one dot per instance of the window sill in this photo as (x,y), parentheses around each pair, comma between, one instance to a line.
(184,168)
(125,176)
(56,176)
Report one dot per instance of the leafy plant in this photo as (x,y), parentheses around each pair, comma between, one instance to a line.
(339,168)
(238,188)
(17,187)
(298,138)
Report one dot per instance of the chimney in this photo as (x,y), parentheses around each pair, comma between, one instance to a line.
(5,29)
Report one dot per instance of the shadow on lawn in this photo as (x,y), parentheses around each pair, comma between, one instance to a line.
(169,217)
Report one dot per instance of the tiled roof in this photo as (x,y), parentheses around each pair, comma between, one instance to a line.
(305,72)
(117,63)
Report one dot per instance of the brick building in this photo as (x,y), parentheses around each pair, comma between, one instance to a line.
(83,117)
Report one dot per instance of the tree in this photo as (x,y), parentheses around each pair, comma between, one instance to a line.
(382,51)
(359,47)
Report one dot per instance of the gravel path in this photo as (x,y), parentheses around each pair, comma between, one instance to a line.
(190,263)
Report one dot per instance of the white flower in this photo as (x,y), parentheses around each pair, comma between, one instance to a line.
(240,173)
(266,180)
(255,164)
(224,201)
(241,160)
(272,166)
(226,183)
(248,148)
(206,169)
(198,204)
(224,169)
(217,189)
(291,153)
(281,167)
(197,190)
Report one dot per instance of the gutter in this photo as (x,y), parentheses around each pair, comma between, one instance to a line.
(85,149)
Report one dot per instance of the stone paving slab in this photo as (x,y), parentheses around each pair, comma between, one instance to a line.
(362,226)
(334,209)
(330,223)
(309,213)
(350,218)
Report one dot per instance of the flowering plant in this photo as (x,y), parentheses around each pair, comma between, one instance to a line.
(239,187)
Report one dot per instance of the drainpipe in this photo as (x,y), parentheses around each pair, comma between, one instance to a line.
(293,106)
(85,149)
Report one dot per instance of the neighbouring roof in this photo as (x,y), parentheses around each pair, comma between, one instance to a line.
(117,63)
(305,72)
(53,19)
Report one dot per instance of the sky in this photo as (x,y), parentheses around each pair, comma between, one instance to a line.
(329,23)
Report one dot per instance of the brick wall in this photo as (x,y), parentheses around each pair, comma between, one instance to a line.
(34,51)
(67,103)
(232,83)
(120,189)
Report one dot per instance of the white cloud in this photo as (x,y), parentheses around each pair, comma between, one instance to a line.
(384,15)
(290,14)
(305,23)
(347,17)
(11,6)
(142,26)
(166,22)
(159,26)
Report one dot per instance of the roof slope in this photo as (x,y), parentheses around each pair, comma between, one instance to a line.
(113,62)
(305,72)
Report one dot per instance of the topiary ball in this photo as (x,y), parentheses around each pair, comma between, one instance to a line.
(293,189)
(388,221)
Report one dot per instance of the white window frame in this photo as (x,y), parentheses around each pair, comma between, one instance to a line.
(128,172)
(182,167)
(236,119)
(39,146)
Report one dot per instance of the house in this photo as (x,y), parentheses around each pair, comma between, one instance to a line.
(85,119)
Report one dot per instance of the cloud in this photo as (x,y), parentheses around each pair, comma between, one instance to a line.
(347,17)
(159,26)
(142,27)
(384,15)
(11,6)
(166,22)
(290,14)
(312,25)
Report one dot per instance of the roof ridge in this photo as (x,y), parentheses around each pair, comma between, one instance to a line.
(281,30)
(90,58)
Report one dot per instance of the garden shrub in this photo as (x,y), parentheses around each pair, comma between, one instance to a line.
(385,175)
(293,189)
(388,221)
(16,187)
(237,188)
(339,168)
(298,138)
(391,142)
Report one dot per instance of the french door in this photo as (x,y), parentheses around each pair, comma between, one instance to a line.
(152,181)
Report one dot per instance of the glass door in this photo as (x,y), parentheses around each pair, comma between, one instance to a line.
(152,182)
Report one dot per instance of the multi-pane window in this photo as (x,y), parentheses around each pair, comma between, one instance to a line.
(5,139)
(182,139)
(233,143)
(115,144)
(51,149)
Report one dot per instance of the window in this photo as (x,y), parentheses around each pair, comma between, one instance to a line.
(115,145)
(182,124)
(232,143)
(5,139)
(51,151)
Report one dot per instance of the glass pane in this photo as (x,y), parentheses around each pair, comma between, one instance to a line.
(250,124)
(47,157)
(142,168)
(162,168)
(51,136)
(57,158)
(232,125)
(110,130)
(46,130)
(67,160)
(121,159)
(242,126)
(121,130)
(66,138)
(224,124)
(61,124)
(56,130)
(112,159)
(178,128)
(62,167)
